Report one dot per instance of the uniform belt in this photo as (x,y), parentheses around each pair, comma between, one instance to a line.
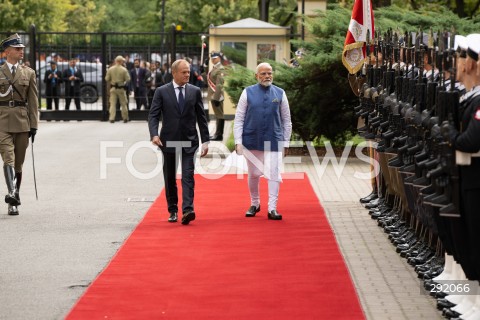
(117,86)
(13,103)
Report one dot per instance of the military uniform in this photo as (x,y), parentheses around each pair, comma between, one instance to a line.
(18,118)
(215,95)
(118,76)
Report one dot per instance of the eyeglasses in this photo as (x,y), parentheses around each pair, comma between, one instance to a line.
(263,74)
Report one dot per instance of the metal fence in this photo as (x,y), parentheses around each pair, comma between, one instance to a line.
(94,52)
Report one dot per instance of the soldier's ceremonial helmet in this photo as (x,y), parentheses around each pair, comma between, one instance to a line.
(13,41)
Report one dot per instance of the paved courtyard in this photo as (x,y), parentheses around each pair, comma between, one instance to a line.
(95,182)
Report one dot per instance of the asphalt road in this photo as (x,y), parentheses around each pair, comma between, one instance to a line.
(95,182)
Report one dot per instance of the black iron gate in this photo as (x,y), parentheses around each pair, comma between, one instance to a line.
(93,53)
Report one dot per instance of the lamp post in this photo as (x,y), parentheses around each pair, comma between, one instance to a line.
(162,44)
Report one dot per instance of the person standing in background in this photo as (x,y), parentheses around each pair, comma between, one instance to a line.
(138,76)
(215,93)
(72,77)
(118,77)
(52,79)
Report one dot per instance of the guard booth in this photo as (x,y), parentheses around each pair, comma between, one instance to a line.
(248,42)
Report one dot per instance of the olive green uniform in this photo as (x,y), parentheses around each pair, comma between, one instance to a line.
(215,95)
(117,76)
(18,114)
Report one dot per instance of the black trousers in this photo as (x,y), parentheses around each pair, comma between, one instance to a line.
(69,94)
(170,164)
(140,94)
(52,95)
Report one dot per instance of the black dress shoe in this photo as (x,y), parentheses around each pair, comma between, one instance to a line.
(449,313)
(373,203)
(274,215)
(444,303)
(216,138)
(252,211)
(187,217)
(173,217)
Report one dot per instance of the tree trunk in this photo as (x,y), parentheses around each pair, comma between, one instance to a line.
(414,4)
(460,8)
(472,14)
(381,3)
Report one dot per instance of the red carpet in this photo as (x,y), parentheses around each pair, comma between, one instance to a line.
(226,266)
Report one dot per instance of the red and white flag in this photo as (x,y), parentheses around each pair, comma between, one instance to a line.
(354,53)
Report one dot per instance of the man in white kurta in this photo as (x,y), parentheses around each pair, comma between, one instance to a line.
(262,133)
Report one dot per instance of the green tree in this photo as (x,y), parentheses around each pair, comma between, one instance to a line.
(321,101)
(85,16)
(125,16)
(192,15)
(45,14)
(51,15)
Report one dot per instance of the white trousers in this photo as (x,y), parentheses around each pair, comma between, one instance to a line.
(268,164)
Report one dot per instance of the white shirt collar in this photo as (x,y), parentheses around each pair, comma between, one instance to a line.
(11,65)
(175,85)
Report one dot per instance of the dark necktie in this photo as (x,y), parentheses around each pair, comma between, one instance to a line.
(181,99)
(13,71)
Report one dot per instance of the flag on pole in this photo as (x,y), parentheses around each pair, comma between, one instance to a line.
(354,53)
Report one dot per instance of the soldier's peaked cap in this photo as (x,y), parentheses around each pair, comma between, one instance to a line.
(473,41)
(461,45)
(13,41)
(215,54)
(460,42)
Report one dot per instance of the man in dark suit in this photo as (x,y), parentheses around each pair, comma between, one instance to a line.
(138,74)
(52,79)
(153,81)
(181,106)
(72,77)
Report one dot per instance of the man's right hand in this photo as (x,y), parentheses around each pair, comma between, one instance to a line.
(239,149)
(156,141)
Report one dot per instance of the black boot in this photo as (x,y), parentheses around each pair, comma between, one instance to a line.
(218,136)
(12,210)
(11,181)
(18,175)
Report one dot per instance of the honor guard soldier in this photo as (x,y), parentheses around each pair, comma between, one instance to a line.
(215,93)
(467,146)
(18,116)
